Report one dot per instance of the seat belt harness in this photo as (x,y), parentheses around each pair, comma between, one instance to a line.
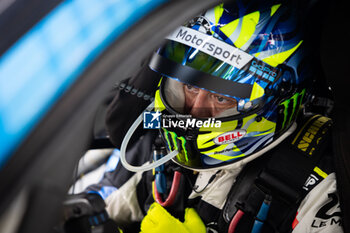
(269,190)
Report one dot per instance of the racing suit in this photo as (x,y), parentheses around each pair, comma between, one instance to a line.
(128,195)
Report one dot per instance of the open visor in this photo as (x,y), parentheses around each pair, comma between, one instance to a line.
(205,62)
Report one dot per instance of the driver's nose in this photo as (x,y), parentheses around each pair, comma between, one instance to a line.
(200,105)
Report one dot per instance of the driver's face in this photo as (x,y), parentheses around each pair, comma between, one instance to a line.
(201,103)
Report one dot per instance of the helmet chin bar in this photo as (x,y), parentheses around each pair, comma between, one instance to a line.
(125,142)
(251,157)
(172,154)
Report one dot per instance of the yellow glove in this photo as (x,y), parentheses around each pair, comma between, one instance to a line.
(158,220)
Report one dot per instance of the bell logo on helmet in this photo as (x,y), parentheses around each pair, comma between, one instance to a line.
(230,137)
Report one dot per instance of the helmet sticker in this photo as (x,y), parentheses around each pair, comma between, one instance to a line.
(211,46)
(230,137)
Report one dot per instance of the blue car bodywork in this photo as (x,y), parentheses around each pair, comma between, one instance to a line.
(47,60)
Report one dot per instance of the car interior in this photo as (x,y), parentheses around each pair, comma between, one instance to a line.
(67,150)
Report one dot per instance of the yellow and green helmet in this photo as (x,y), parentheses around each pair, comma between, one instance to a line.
(252,53)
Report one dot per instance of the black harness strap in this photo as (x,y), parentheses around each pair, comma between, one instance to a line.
(270,189)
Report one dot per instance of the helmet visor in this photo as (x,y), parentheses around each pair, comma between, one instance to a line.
(185,99)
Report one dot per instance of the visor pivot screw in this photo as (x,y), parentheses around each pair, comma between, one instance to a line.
(248,105)
(241,103)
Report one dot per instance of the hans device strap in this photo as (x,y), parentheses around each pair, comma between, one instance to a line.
(269,190)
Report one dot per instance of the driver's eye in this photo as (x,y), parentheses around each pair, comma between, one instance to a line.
(224,101)
(191,89)
(221,99)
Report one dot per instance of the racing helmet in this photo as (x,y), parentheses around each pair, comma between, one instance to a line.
(250,54)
